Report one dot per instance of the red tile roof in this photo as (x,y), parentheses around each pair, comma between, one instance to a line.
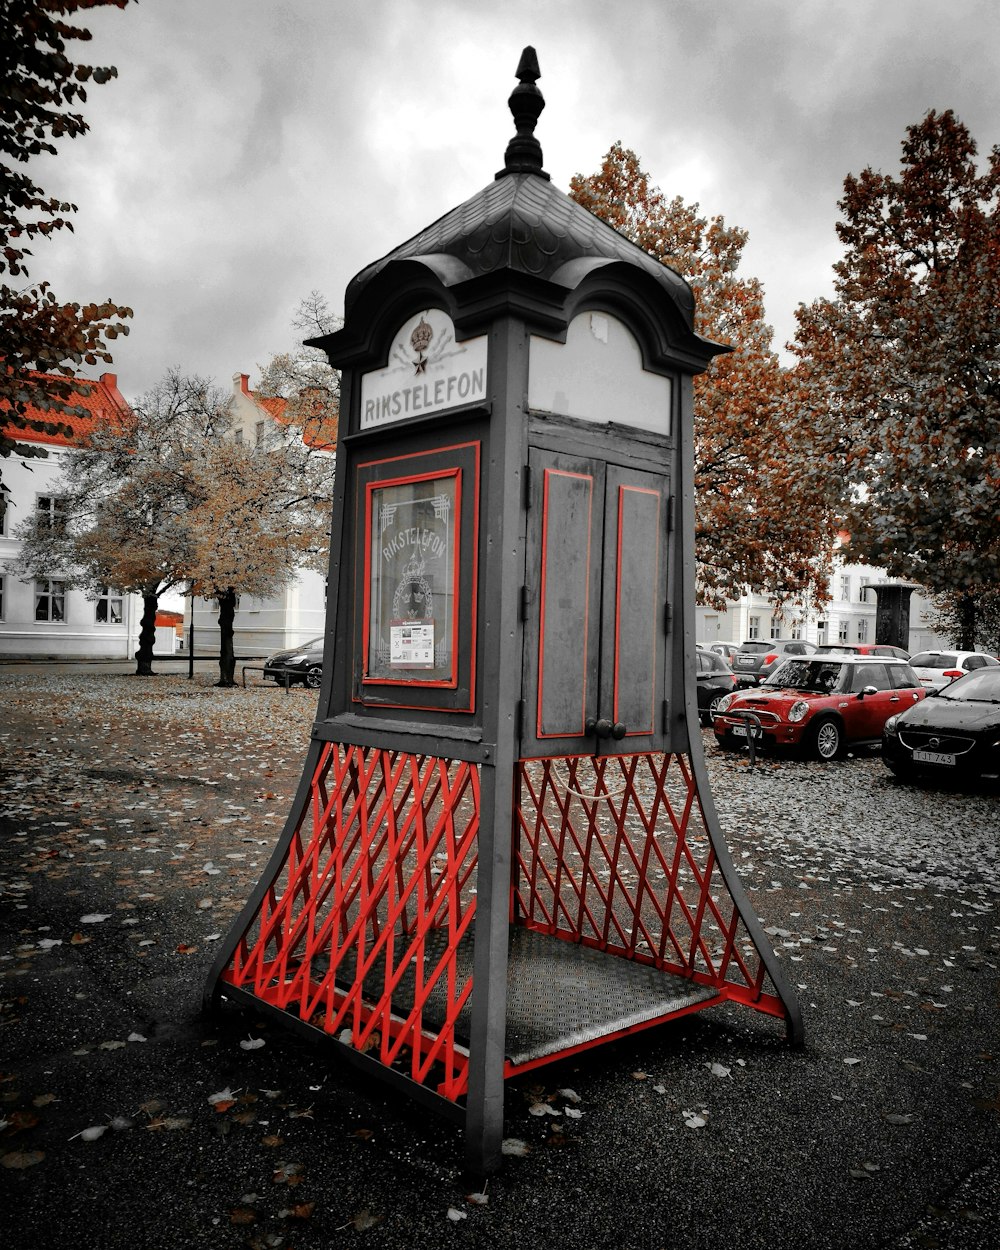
(103,401)
(320,431)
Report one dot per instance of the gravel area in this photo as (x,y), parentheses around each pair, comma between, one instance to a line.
(135,816)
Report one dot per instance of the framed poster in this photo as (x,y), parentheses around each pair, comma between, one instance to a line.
(417,536)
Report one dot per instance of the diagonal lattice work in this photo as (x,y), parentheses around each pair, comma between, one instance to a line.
(360,932)
(615,853)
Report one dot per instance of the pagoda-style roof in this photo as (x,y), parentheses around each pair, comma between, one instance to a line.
(521,223)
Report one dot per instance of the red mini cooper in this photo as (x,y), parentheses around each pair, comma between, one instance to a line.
(819,703)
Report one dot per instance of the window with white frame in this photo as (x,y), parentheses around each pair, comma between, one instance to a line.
(238,435)
(821,632)
(50,599)
(50,511)
(845,587)
(863,630)
(863,595)
(4,512)
(261,432)
(775,629)
(796,630)
(753,628)
(3,594)
(108,609)
(842,630)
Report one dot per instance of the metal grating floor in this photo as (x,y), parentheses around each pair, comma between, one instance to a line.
(559,994)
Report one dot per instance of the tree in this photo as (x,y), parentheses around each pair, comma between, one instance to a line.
(904,365)
(764,509)
(167,497)
(40,89)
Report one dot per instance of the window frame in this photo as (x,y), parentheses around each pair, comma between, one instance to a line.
(50,595)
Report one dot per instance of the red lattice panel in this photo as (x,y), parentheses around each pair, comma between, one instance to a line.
(632,872)
(360,930)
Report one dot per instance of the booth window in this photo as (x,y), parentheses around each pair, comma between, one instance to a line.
(417,542)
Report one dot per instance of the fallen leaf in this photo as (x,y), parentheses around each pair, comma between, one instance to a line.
(92,1133)
(479,1200)
(43,1100)
(252,1043)
(455,1215)
(242,1215)
(272,1139)
(514,1146)
(301,1211)
(364,1220)
(22,1158)
(894,1117)
(224,1095)
(95,917)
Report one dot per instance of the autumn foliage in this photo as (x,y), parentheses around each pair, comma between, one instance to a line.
(764,507)
(902,365)
(40,96)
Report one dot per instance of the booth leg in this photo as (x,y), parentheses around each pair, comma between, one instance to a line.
(484,1105)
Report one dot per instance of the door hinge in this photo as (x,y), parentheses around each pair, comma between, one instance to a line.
(525,599)
(667,612)
(670,514)
(526,486)
(666,715)
(519,718)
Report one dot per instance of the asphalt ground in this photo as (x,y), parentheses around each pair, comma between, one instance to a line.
(136,815)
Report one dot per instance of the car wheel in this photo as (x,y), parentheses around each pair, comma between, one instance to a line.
(827,739)
(314,676)
(713,707)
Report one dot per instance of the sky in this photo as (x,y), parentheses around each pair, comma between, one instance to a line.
(252,151)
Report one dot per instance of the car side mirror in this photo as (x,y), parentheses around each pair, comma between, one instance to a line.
(867,690)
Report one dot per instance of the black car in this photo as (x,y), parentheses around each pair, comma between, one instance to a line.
(953,733)
(302,663)
(715,679)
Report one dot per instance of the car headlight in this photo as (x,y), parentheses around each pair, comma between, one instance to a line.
(724,702)
(798,711)
(295,659)
(890,724)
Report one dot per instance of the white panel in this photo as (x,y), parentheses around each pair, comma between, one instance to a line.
(597,375)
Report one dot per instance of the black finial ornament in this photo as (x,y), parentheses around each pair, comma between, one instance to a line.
(524,152)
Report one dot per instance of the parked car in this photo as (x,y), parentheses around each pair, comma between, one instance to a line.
(756,660)
(714,679)
(726,649)
(939,668)
(303,663)
(864,648)
(954,734)
(821,704)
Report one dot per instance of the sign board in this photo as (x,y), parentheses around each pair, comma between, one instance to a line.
(428,371)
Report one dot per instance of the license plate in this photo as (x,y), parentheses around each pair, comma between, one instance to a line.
(933,757)
(744,663)
(740,731)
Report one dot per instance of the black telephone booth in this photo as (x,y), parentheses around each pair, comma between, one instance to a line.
(503,848)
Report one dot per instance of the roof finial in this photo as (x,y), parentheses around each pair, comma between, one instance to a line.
(524,152)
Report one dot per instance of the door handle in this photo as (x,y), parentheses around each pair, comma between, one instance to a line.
(605,728)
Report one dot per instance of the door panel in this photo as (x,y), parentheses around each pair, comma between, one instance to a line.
(596,586)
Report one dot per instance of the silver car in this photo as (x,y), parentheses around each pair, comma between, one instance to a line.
(756,660)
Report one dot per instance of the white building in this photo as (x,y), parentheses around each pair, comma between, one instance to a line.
(46,617)
(848,616)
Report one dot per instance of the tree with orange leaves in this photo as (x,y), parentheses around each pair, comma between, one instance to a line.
(905,359)
(764,509)
(40,90)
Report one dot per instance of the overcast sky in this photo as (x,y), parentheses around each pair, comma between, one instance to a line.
(251,151)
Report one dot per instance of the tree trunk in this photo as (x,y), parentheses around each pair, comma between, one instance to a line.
(967,622)
(147,636)
(227,656)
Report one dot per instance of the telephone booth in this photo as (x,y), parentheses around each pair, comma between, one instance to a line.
(503,849)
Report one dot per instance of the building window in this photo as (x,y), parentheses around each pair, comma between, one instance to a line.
(775,629)
(821,632)
(863,630)
(845,587)
(863,596)
(796,630)
(50,600)
(50,511)
(842,631)
(753,628)
(3,594)
(261,433)
(109,608)
(4,511)
(238,436)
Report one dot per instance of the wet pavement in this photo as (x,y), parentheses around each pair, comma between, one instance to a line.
(136,815)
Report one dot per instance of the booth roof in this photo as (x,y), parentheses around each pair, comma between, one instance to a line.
(521,223)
